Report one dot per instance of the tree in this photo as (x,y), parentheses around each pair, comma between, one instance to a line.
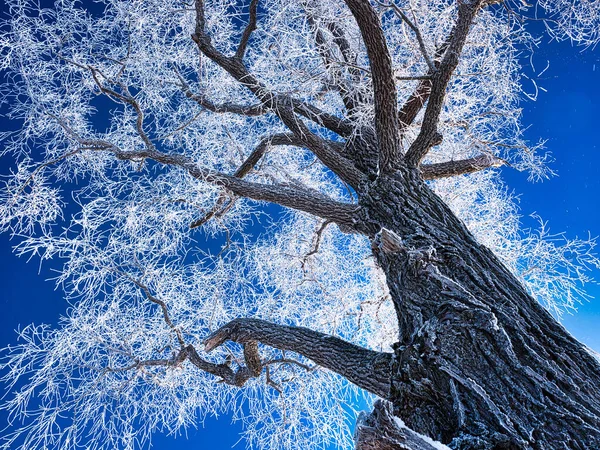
(396,262)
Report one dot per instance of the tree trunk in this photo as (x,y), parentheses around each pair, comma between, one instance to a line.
(479,363)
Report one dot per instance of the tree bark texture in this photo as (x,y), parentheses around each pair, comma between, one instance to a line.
(479,363)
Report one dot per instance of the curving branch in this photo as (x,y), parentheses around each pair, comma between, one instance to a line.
(429,135)
(331,65)
(460,167)
(241,50)
(368,369)
(384,87)
(285,195)
(312,202)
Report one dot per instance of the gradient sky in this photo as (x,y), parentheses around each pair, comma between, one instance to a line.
(567,116)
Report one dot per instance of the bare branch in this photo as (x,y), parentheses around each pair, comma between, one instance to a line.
(163,307)
(239,54)
(202,100)
(417,32)
(367,369)
(316,241)
(284,106)
(419,97)
(329,61)
(461,167)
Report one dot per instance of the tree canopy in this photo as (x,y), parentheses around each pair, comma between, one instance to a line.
(148,128)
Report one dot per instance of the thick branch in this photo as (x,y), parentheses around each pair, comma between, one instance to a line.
(284,195)
(429,135)
(384,87)
(367,369)
(220,207)
(461,167)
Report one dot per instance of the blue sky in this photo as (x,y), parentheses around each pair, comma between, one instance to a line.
(567,116)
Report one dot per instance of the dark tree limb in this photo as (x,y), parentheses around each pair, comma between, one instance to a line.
(282,194)
(203,101)
(417,32)
(221,207)
(384,87)
(429,135)
(331,65)
(241,50)
(312,202)
(367,369)
(461,167)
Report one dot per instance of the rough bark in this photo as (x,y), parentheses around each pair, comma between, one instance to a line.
(479,363)
(381,431)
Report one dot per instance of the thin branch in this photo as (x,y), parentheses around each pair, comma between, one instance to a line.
(367,369)
(416,30)
(241,50)
(329,62)
(316,242)
(419,97)
(220,207)
(128,99)
(203,101)
(163,307)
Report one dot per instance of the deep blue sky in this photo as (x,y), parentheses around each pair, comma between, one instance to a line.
(567,115)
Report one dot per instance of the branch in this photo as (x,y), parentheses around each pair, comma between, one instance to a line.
(330,64)
(202,100)
(239,54)
(316,242)
(277,139)
(419,97)
(282,194)
(417,32)
(312,202)
(384,87)
(163,308)
(369,370)
(125,98)
(461,167)
(429,135)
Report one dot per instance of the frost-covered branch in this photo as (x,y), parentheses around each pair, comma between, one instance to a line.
(429,135)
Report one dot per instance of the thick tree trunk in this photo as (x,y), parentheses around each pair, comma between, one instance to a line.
(479,363)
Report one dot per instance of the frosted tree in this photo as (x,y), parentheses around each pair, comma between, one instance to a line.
(392,263)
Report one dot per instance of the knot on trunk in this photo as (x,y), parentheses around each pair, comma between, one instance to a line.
(387,241)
